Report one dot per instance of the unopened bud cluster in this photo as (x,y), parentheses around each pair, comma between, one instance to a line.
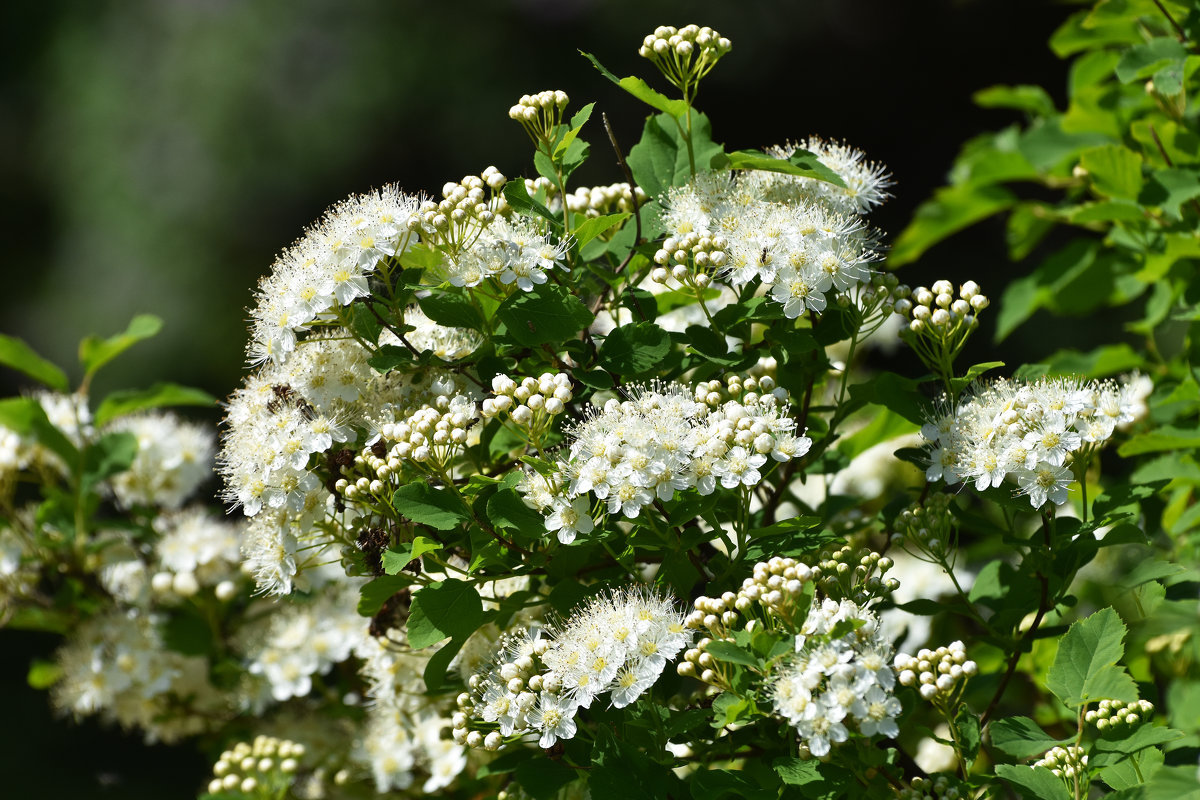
(926,529)
(777,585)
(937,674)
(939,788)
(531,404)
(539,114)
(938,309)
(850,574)
(595,201)
(429,438)
(466,209)
(1112,716)
(263,768)
(1064,762)
(748,390)
(692,259)
(684,55)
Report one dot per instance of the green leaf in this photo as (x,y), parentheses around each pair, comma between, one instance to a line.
(439,662)
(711,345)
(882,428)
(422,503)
(969,732)
(95,352)
(506,509)
(43,674)
(452,310)
(802,163)
(542,778)
(1145,736)
(795,771)
(591,228)
(20,356)
(1031,99)
(548,314)
(451,608)
(951,209)
(1143,60)
(641,90)
(731,653)
(109,455)
(127,401)
(1164,437)
(1115,171)
(973,373)
(894,392)
(1021,737)
(1034,782)
(713,784)
(373,594)
(631,350)
(660,159)
(397,558)
(1085,668)
(25,416)
(518,197)
(1169,189)
(577,122)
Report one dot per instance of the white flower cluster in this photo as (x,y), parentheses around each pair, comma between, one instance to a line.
(531,404)
(617,643)
(1029,432)
(1111,716)
(684,54)
(405,726)
(328,268)
(867,182)
(777,585)
(117,666)
(457,220)
(803,245)
(173,458)
(512,251)
(939,673)
(662,440)
(428,437)
(836,678)
(267,765)
(1064,762)
(304,639)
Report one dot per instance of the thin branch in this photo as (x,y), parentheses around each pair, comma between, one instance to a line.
(1178,30)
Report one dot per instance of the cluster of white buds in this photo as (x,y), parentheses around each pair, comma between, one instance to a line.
(747,390)
(698,663)
(595,201)
(878,295)
(939,788)
(856,575)
(1115,715)
(936,314)
(777,585)
(1064,762)
(684,55)
(938,673)
(692,259)
(539,114)
(531,404)
(264,768)
(465,211)
(520,678)
(926,529)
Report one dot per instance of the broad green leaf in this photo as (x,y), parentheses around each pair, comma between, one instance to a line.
(452,310)
(542,778)
(1115,171)
(1143,60)
(518,197)
(711,345)
(1034,783)
(422,503)
(714,784)
(591,228)
(1149,570)
(660,159)
(969,734)
(20,356)
(973,373)
(548,314)
(894,392)
(632,350)
(1031,99)
(451,608)
(577,122)
(373,594)
(397,558)
(641,90)
(1165,437)
(1085,668)
(1169,189)
(506,509)
(951,209)
(1079,33)
(1021,737)
(435,669)
(127,401)
(801,163)
(95,352)
(731,653)
(1145,736)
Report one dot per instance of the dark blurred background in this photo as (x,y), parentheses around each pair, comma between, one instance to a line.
(155,155)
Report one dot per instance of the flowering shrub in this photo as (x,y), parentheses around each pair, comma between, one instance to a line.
(494,445)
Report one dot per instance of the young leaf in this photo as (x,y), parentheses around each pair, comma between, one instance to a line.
(591,228)
(127,401)
(95,352)
(451,608)
(20,356)
(437,508)
(1085,668)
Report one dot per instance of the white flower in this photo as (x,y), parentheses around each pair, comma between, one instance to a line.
(569,518)
(1044,482)
(554,715)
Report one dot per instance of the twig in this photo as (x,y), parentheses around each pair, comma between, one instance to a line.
(1162,150)
(637,215)
(1178,30)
